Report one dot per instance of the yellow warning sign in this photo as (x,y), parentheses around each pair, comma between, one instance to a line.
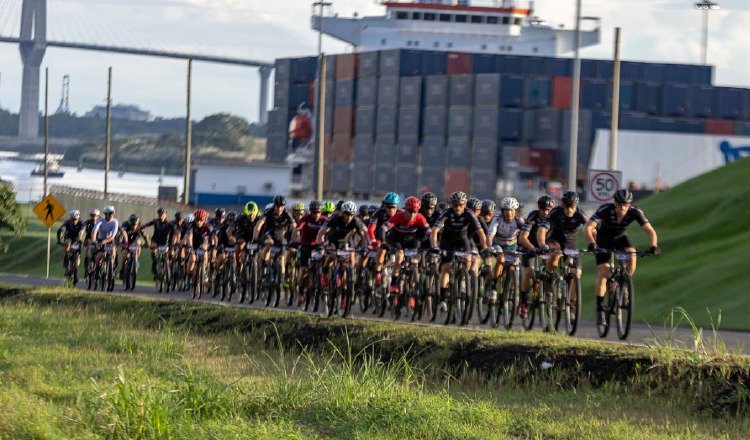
(49,210)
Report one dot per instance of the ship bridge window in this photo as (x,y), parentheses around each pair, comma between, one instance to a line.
(517,21)
(491,20)
(476,19)
(402,15)
(429,16)
(506,20)
(445,17)
(460,18)
(416,15)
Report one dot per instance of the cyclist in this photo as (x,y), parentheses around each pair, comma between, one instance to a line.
(504,231)
(164,234)
(88,239)
(306,234)
(458,226)
(607,229)
(528,240)
(73,230)
(272,228)
(224,237)
(105,232)
(245,227)
(363,213)
(429,211)
(132,234)
(560,230)
(382,215)
(337,232)
(298,210)
(327,209)
(219,217)
(198,237)
(474,205)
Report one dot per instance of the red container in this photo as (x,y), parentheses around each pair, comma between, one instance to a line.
(718,126)
(456,179)
(346,66)
(562,90)
(543,161)
(459,63)
(342,149)
(343,121)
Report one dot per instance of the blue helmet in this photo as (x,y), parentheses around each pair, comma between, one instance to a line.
(392,199)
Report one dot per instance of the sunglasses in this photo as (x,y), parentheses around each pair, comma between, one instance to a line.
(391,207)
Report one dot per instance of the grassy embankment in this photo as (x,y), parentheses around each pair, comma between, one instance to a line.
(74,365)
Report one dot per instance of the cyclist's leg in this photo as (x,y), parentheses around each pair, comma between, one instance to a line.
(153,247)
(191,263)
(528,273)
(554,258)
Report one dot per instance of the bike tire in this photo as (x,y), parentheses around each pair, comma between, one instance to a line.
(624,306)
(278,285)
(364,282)
(331,296)
(509,301)
(603,328)
(573,305)
(559,297)
(471,297)
(348,293)
(484,303)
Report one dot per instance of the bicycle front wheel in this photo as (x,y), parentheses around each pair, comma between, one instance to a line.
(624,306)
(572,305)
(509,300)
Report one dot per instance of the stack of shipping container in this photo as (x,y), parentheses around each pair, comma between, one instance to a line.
(410,120)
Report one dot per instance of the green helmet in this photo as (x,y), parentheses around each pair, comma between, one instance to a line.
(328,207)
(298,207)
(251,208)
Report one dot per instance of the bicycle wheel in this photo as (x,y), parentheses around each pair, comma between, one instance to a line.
(413,297)
(471,297)
(133,272)
(331,295)
(364,286)
(110,276)
(602,326)
(559,297)
(461,288)
(509,300)
(91,278)
(311,289)
(484,296)
(348,291)
(572,305)
(276,287)
(166,274)
(624,305)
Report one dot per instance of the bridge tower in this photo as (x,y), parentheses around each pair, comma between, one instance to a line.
(265,73)
(64,107)
(33,44)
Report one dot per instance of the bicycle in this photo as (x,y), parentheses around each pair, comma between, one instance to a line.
(381,292)
(104,272)
(620,295)
(200,279)
(226,278)
(341,284)
(565,286)
(179,281)
(486,292)
(365,283)
(71,263)
(537,300)
(460,293)
(271,279)
(163,266)
(430,285)
(408,286)
(510,299)
(130,272)
(248,270)
(291,278)
(314,291)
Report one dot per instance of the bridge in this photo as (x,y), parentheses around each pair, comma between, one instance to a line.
(32,41)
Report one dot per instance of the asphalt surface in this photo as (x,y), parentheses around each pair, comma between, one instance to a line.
(640,334)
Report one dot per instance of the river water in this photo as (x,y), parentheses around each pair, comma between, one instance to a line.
(29,189)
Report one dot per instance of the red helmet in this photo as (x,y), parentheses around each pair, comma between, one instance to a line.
(201,214)
(412,204)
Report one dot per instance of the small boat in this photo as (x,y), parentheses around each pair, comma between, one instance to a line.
(53,170)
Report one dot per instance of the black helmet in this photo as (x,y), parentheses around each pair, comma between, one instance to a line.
(429,200)
(178,215)
(315,205)
(458,197)
(363,210)
(474,203)
(279,201)
(545,202)
(220,212)
(160,210)
(570,197)
(623,195)
(488,206)
(372,209)
(231,216)
(133,218)
(339,204)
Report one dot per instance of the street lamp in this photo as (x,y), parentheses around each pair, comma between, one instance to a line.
(317,128)
(705,6)
(575,100)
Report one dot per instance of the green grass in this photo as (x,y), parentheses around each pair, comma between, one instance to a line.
(92,366)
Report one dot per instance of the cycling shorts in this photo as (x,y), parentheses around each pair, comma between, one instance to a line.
(616,242)
(460,245)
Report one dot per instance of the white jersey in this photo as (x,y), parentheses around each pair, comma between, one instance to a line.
(504,233)
(105,229)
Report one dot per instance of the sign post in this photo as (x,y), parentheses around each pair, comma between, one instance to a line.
(603,184)
(49,210)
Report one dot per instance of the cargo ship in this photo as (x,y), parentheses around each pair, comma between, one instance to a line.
(53,170)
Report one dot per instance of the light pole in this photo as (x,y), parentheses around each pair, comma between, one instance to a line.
(705,6)
(575,102)
(318,106)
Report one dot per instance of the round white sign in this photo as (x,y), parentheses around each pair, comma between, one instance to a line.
(603,185)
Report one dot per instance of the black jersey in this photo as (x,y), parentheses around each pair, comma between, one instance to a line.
(562,228)
(533,220)
(180,228)
(222,233)
(88,226)
(606,219)
(199,235)
(277,224)
(454,227)
(163,231)
(340,232)
(431,219)
(130,231)
(71,231)
(379,218)
(245,227)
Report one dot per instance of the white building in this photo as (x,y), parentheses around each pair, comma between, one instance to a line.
(227,185)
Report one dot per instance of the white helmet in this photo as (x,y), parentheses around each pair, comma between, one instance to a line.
(75,213)
(109,209)
(190,218)
(349,207)
(509,203)
(95,212)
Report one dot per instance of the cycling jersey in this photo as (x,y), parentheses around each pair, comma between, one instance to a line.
(244,228)
(200,235)
(105,229)
(431,219)
(180,228)
(455,227)
(606,219)
(308,228)
(485,227)
(340,232)
(88,226)
(163,231)
(378,220)
(276,226)
(222,234)
(131,233)
(531,225)
(563,229)
(406,232)
(505,234)
(72,230)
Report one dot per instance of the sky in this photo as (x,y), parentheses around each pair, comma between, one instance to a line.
(652,30)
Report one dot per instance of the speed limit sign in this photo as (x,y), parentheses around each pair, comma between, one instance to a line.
(603,184)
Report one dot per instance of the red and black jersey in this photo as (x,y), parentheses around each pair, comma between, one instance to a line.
(308,228)
(200,235)
(401,227)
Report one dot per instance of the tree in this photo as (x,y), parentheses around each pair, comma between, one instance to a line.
(11,217)
(221,130)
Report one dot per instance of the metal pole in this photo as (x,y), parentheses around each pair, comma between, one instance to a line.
(575,102)
(188,136)
(704,57)
(108,137)
(46,157)
(615,104)
(321,129)
(318,138)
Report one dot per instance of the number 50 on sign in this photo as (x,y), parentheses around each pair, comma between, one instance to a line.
(603,184)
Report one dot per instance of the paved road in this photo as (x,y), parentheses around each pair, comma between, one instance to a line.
(641,334)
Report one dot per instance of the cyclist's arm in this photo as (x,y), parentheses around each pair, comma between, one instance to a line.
(434,236)
(523,238)
(541,233)
(322,233)
(82,234)
(482,238)
(59,231)
(258,228)
(590,231)
(651,232)
(362,230)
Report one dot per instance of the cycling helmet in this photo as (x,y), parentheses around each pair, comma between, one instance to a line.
(201,214)
(391,199)
(509,203)
(279,201)
(94,212)
(570,197)
(220,212)
(545,202)
(488,206)
(412,204)
(160,210)
(109,209)
(75,213)
(177,215)
(298,207)
(458,197)
(623,195)
(269,206)
(349,207)
(429,200)
(474,203)
(315,205)
(231,216)
(190,218)
(328,207)
(133,218)
(363,210)
(372,209)
(251,208)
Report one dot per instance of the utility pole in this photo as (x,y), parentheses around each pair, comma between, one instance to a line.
(615,105)
(108,135)
(575,102)
(46,157)
(320,103)
(705,6)
(188,137)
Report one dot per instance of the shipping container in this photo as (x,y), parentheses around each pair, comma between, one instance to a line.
(537,91)
(630,71)
(330,68)
(433,180)
(677,73)
(365,118)
(343,121)
(730,102)
(546,127)
(702,104)
(487,90)
(459,122)
(511,125)
(383,179)
(388,90)
(385,150)
(291,96)
(345,94)
(436,90)
(342,148)
(561,92)
(461,90)
(457,153)
(282,70)
(368,64)
(584,128)
(407,152)
(433,152)
(718,126)
(459,63)
(636,121)
(435,122)
(329,96)
(410,91)
(483,185)
(605,69)
(406,181)
(689,126)
(676,100)
(531,65)
(666,125)
(340,177)
(328,120)
(543,161)
(588,69)
(409,119)
(626,96)
(367,92)
(346,66)
(484,156)
(742,129)
(456,179)
(303,70)
(484,63)
(512,90)
(653,72)
(278,122)
(647,98)
(277,148)
(600,120)
(486,123)
(560,67)
(400,62)
(362,178)
(702,75)
(594,93)
(363,148)
(434,63)
(387,121)
(509,64)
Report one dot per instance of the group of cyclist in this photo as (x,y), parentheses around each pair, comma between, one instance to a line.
(464,224)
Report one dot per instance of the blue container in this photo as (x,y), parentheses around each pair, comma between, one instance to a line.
(678,73)
(409,119)
(362,177)
(385,150)
(457,153)
(631,71)
(278,122)
(742,129)
(387,121)
(666,125)
(600,120)
(364,148)
(401,62)
(367,92)
(484,155)
(345,94)
(433,152)
(303,70)
(653,72)
(484,63)
(434,122)
(511,124)
(365,121)
(460,122)
(585,130)
(461,90)
(702,104)
(290,96)
(647,98)
(277,148)
(534,65)
(537,91)
(676,100)
(594,93)
(340,177)
(407,152)
(486,123)
(487,90)
(433,180)
(406,180)
(509,64)
(561,67)
(689,126)
(436,90)
(511,90)
(626,96)
(588,69)
(410,91)
(282,70)
(368,66)
(388,91)
(605,69)
(483,184)
(434,63)
(636,121)
(702,75)
(383,179)
(730,102)
(546,127)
